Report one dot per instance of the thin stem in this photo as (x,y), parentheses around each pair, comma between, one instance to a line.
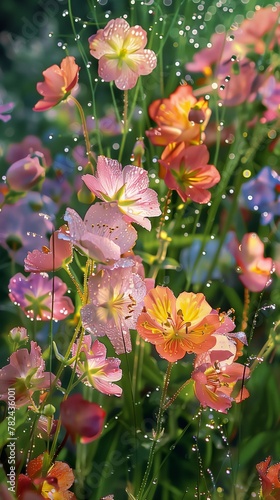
(245,316)
(85,130)
(171,400)
(125,122)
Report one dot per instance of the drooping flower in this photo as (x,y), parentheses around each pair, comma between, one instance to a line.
(25,173)
(179,118)
(53,484)
(269,477)
(121,54)
(39,297)
(177,326)
(26,374)
(82,419)
(262,194)
(128,187)
(103,234)
(59,81)
(50,259)
(187,171)
(116,300)
(214,384)
(100,371)
(4,108)
(255,269)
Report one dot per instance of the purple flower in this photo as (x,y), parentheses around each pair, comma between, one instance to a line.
(262,194)
(3,109)
(39,297)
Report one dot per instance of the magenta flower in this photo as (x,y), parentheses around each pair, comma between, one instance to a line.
(187,171)
(81,418)
(3,110)
(26,374)
(100,371)
(34,296)
(103,234)
(121,53)
(50,259)
(255,269)
(116,300)
(128,187)
(25,173)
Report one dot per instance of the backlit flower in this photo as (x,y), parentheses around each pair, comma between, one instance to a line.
(116,300)
(103,234)
(255,269)
(82,419)
(121,53)
(26,374)
(187,171)
(270,479)
(39,297)
(50,259)
(214,384)
(53,484)
(128,187)
(100,371)
(59,81)
(177,326)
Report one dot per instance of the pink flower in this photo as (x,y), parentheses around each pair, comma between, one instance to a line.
(255,269)
(26,374)
(187,171)
(3,109)
(214,384)
(128,187)
(34,296)
(50,259)
(116,300)
(25,173)
(100,371)
(59,81)
(30,145)
(177,326)
(82,419)
(103,234)
(18,334)
(121,53)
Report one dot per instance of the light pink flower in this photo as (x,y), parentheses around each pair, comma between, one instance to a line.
(59,81)
(255,269)
(103,235)
(214,384)
(121,53)
(18,334)
(28,146)
(116,300)
(50,259)
(128,187)
(100,371)
(187,171)
(25,173)
(26,374)
(34,296)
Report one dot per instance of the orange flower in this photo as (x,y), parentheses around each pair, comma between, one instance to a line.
(54,484)
(177,326)
(59,81)
(269,477)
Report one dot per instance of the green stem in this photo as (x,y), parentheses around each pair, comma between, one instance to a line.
(85,130)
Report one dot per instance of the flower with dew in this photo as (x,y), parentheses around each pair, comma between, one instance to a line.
(103,235)
(255,269)
(128,187)
(269,476)
(57,255)
(26,224)
(82,419)
(24,174)
(262,194)
(177,326)
(59,81)
(39,297)
(26,374)
(121,53)
(53,483)
(214,384)
(97,370)
(187,172)
(180,118)
(116,300)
